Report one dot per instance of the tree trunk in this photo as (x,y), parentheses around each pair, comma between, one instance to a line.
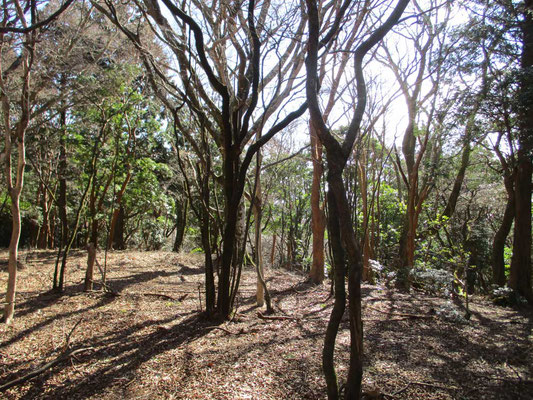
(229,237)
(62,172)
(91,258)
(116,215)
(181,224)
(257,210)
(520,275)
(15,188)
(59,286)
(14,192)
(42,240)
(13,257)
(118,234)
(498,243)
(318,218)
(273,250)
(206,243)
(339,305)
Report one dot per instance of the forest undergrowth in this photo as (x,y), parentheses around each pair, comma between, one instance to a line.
(145,338)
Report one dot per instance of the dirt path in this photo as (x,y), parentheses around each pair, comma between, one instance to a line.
(149,342)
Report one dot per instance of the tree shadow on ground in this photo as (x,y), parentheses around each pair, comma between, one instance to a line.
(127,349)
(469,358)
(48,299)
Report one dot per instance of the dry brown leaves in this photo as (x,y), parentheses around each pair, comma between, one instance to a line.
(150,341)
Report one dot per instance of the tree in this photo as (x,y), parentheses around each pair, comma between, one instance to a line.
(333,79)
(346,250)
(520,276)
(419,76)
(209,63)
(19,34)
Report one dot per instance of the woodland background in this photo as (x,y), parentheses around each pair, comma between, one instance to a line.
(380,142)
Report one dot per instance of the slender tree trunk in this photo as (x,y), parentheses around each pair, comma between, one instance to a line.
(206,243)
(257,210)
(273,250)
(15,188)
(42,239)
(367,250)
(116,214)
(13,257)
(60,286)
(318,218)
(339,305)
(62,172)
(353,257)
(14,192)
(407,238)
(91,258)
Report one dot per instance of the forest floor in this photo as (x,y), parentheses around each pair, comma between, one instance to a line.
(150,341)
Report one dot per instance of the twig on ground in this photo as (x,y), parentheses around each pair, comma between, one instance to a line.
(69,335)
(224,330)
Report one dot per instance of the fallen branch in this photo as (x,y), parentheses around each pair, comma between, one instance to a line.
(165,296)
(226,330)
(276,317)
(62,357)
(418,316)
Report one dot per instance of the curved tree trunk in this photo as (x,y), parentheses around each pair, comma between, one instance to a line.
(339,305)
(14,186)
(13,257)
